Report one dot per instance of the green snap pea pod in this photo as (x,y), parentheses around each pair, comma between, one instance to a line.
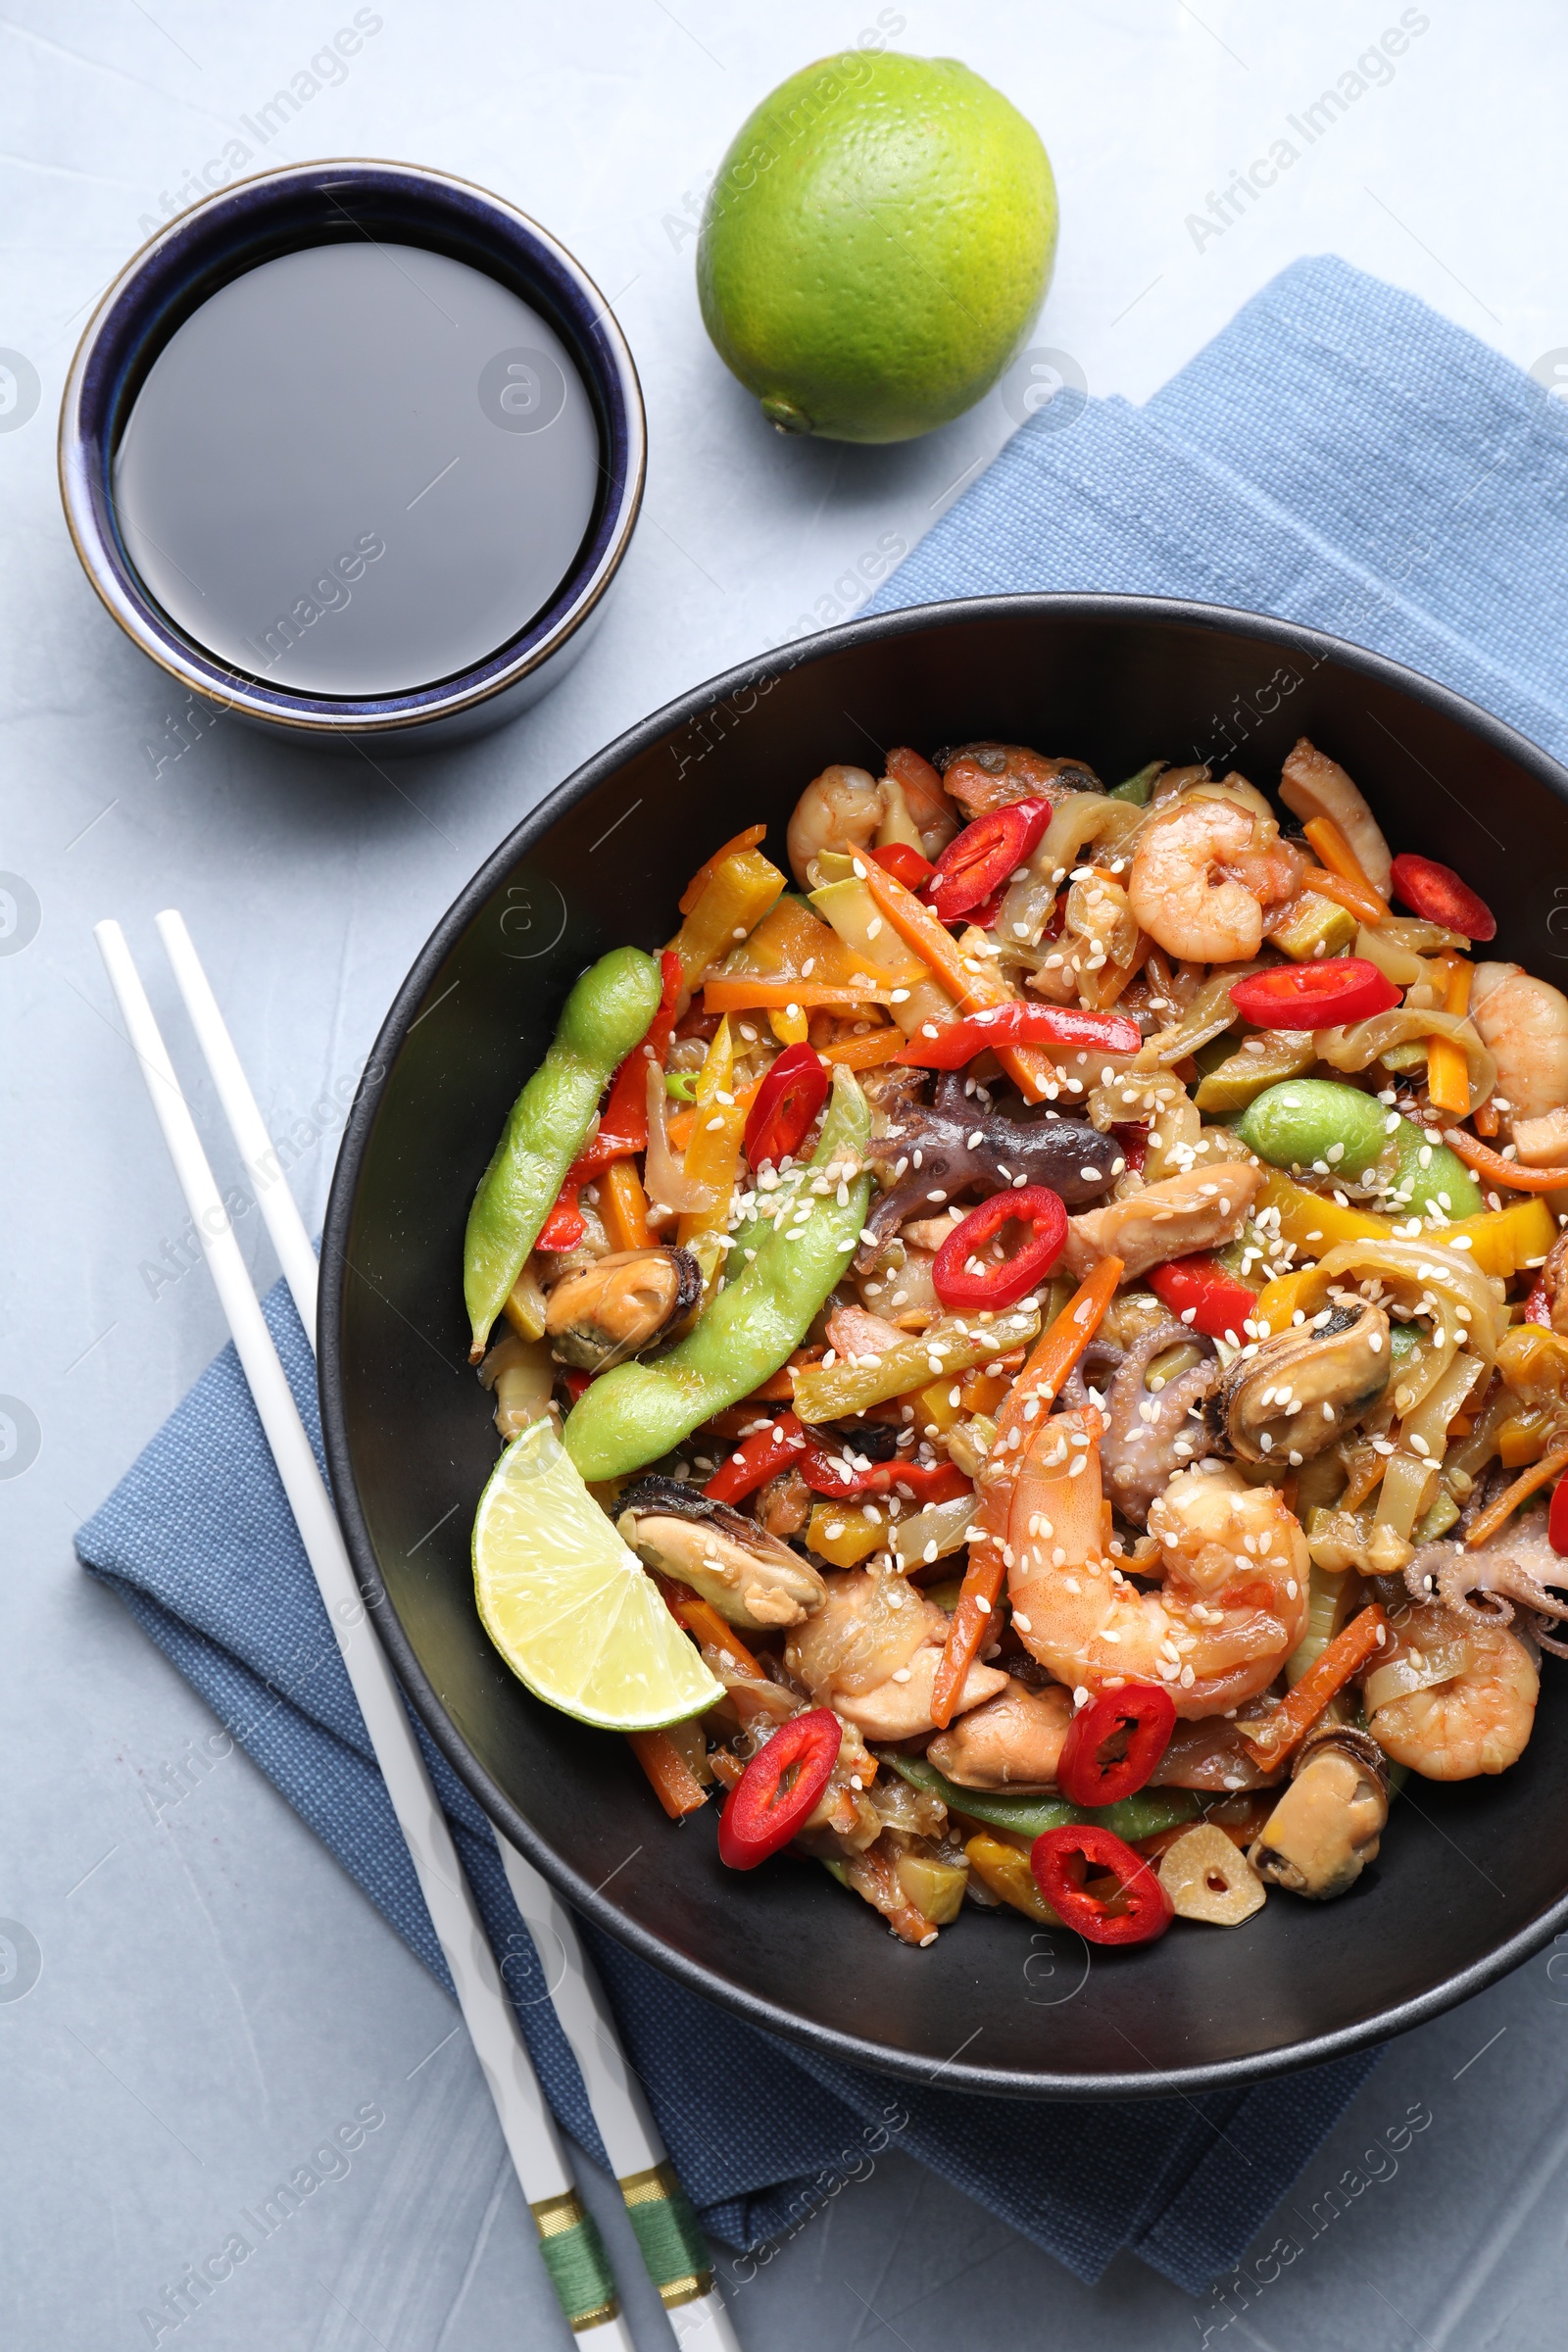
(605,1016)
(1135,1817)
(1304,1121)
(749,1328)
(1322,1125)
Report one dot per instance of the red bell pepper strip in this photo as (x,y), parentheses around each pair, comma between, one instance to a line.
(565,1224)
(958,1042)
(1006,1280)
(779,1789)
(1134,1141)
(905,865)
(1314,996)
(984,855)
(1137,1912)
(755,1459)
(1140,1719)
(1203,1295)
(923,1483)
(787,1102)
(1437,895)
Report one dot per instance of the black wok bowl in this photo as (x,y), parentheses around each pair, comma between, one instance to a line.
(1471,1878)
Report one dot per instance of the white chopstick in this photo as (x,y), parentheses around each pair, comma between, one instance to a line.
(583,2279)
(637,2154)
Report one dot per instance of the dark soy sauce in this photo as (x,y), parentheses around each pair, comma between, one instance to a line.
(358,469)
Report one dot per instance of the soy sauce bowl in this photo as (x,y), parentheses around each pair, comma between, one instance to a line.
(1470,1880)
(287,212)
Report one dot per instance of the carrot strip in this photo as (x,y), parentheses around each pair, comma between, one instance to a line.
(674,1784)
(1341,860)
(1485,1119)
(1054,1355)
(705,873)
(1291,1721)
(707,1629)
(973,990)
(1447,1071)
(1492,1164)
(624,1206)
(1487,1524)
(779,1389)
(864,1053)
(1361,898)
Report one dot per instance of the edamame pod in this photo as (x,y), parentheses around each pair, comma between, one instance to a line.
(752,1325)
(1322,1125)
(1142,1815)
(605,1016)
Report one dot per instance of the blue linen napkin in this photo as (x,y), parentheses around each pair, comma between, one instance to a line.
(1337,454)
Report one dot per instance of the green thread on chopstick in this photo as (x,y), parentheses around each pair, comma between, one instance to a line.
(575,2257)
(669,2234)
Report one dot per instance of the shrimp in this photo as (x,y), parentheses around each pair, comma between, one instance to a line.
(925,798)
(1231,1609)
(839,809)
(1477,1721)
(1524,1025)
(1186,906)
(1173,1218)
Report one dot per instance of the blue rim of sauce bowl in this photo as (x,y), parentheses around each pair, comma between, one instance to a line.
(278,212)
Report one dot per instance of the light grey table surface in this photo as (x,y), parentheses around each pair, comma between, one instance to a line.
(212,1996)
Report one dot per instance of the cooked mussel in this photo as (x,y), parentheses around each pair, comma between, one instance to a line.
(1326,1827)
(751,1577)
(1305,1388)
(620,1304)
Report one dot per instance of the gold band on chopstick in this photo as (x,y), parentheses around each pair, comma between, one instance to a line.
(574,2256)
(669,2234)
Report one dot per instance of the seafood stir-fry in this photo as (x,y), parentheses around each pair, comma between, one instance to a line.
(1057,1301)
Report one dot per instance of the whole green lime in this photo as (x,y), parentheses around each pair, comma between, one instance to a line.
(875,246)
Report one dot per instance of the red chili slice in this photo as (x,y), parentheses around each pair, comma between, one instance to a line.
(787,1102)
(1437,895)
(778,1789)
(1140,1715)
(955,1283)
(1314,996)
(1137,1912)
(1557,1518)
(958,1042)
(983,857)
(905,865)
(1205,1295)
(754,1462)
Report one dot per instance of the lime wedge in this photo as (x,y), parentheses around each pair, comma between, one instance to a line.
(571,1610)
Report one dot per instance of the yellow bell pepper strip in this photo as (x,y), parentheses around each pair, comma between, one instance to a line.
(1005,1870)
(713,1153)
(845,1534)
(953,1344)
(1447,1071)
(1038,1383)
(1278,1300)
(732,901)
(750,839)
(971,982)
(749,1328)
(1499,1242)
(1311,1222)
(791,1027)
(603,1021)
(793,944)
(624,1206)
(1505,1241)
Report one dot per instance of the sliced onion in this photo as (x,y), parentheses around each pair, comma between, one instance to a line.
(665,1175)
(1409,1269)
(1417,1670)
(1355,1046)
(944,1524)
(1082,818)
(1428,1418)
